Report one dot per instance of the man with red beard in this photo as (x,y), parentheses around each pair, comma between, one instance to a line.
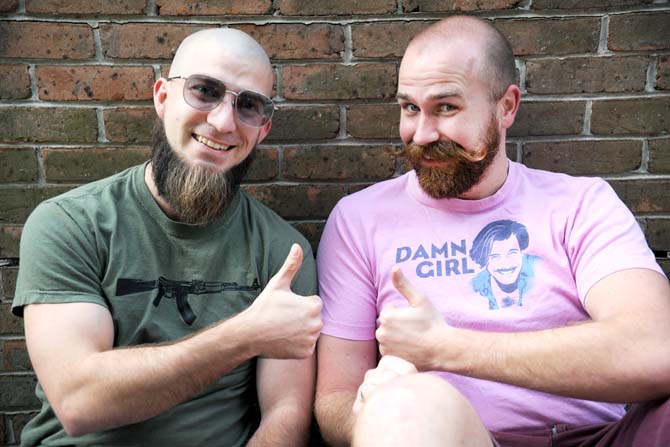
(397,279)
(163,306)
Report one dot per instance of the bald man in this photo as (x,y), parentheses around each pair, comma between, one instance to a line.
(532,338)
(163,306)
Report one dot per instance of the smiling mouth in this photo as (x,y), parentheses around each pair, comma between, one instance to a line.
(506,272)
(211,144)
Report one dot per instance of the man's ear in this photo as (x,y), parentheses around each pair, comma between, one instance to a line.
(264,131)
(160,96)
(508,105)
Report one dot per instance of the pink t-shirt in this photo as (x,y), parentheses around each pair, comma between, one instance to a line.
(523,259)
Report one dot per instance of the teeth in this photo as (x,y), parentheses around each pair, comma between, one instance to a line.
(211,143)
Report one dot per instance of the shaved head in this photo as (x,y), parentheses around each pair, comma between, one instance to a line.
(496,66)
(227,43)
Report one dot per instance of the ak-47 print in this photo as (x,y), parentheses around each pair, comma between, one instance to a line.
(505,272)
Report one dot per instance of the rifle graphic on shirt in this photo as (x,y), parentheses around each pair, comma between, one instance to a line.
(179,291)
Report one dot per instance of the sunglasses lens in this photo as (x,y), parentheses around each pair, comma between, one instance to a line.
(253,109)
(203,93)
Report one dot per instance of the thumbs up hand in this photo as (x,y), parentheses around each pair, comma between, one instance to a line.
(285,325)
(411,332)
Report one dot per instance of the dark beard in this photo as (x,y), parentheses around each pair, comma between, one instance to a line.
(197,195)
(464,169)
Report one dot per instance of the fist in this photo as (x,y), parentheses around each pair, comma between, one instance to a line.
(389,368)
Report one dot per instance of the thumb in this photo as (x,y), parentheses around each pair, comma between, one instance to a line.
(283,278)
(406,288)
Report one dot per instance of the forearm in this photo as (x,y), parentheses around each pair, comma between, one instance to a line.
(335,417)
(285,426)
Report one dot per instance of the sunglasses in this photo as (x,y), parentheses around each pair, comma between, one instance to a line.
(204,93)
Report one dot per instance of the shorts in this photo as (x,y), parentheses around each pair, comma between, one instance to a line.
(644,425)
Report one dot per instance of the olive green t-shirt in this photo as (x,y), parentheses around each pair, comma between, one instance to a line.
(109,243)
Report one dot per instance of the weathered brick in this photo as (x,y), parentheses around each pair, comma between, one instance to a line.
(551,36)
(457,5)
(643,31)
(16,422)
(305,122)
(18,165)
(8,6)
(630,116)
(17,203)
(97,82)
(584,157)
(658,234)
(659,156)
(143,40)
(46,40)
(17,393)
(373,120)
(297,40)
(129,125)
(330,81)
(548,118)
(329,7)
(298,201)
(338,163)
(265,166)
(312,232)
(14,356)
(665,265)
(510,149)
(212,7)
(356,187)
(586,75)
(585,4)
(9,275)
(52,124)
(10,235)
(663,73)
(644,196)
(59,7)
(14,81)
(84,165)
(9,324)
(384,39)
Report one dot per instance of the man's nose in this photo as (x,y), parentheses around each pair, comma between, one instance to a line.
(223,116)
(426,130)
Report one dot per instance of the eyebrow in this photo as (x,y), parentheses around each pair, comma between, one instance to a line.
(437,96)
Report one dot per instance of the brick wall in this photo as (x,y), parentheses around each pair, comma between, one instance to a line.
(75,106)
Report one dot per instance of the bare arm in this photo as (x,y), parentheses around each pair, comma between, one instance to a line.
(93,387)
(285,395)
(621,355)
(342,366)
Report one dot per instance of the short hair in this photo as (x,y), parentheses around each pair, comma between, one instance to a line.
(499,230)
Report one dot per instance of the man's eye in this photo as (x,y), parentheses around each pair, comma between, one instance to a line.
(412,108)
(446,108)
(205,91)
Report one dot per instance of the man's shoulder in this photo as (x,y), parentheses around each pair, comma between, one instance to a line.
(556,182)
(260,214)
(377,195)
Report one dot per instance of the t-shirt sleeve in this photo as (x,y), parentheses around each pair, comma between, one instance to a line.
(59,262)
(604,238)
(346,280)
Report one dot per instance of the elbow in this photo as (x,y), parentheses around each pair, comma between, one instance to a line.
(73,418)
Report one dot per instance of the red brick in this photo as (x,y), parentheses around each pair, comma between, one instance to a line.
(213,7)
(84,165)
(339,163)
(630,116)
(298,201)
(586,75)
(297,40)
(658,234)
(41,124)
(659,156)
(373,120)
(17,393)
(305,122)
(663,73)
(551,36)
(584,157)
(18,203)
(59,7)
(9,324)
(312,232)
(14,356)
(585,4)
(330,81)
(14,82)
(18,165)
(665,265)
(341,7)
(457,5)
(143,40)
(644,31)
(46,40)
(8,6)
(644,196)
(9,275)
(265,167)
(98,82)
(548,118)
(10,236)
(129,125)
(384,39)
